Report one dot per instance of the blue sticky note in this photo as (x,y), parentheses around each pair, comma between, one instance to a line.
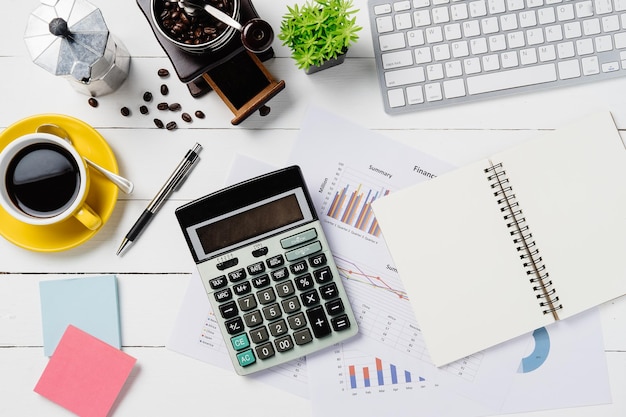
(90,303)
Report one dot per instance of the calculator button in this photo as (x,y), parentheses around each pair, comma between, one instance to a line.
(260,252)
(219,282)
(307,250)
(223,295)
(304,282)
(247,303)
(256,268)
(298,239)
(229,310)
(237,275)
(291,305)
(265,351)
(298,267)
(296,321)
(259,335)
(323,275)
(285,289)
(329,291)
(278,328)
(284,344)
(279,274)
(318,321)
(240,342)
(266,296)
(227,264)
(275,261)
(253,318)
(317,260)
(272,312)
(260,281)
(234,326)
(302,337)
(246,358)
(242,288)
(334,307)
(310,298)
(340,323)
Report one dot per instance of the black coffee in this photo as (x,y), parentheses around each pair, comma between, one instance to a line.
(43,180)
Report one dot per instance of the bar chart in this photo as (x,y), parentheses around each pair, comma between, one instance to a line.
(350,197)
(380,375)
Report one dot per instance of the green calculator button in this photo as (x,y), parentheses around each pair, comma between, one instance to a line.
(240,342)
(298,239)
(246,358)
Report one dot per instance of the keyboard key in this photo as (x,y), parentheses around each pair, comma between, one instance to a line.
(382,9)
(405,76)
(568,69)
(396,97)
(384,24)
(397,59)
(454,88)
(414,95)
(511,79)
(391,41)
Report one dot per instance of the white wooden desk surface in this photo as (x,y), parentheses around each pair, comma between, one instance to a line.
(154,274)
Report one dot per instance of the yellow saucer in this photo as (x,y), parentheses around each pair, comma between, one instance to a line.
(102,193)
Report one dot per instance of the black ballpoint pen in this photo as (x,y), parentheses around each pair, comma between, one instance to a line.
(172,184)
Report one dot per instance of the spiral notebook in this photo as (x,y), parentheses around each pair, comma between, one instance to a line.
(509,244)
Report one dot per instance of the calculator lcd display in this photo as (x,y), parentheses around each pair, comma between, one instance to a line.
(250,223)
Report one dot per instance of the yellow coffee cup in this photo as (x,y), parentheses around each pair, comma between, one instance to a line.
(45,181)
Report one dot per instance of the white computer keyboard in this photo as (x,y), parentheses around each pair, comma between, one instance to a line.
(432,53)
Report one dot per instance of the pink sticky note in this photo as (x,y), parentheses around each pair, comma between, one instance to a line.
(84,374)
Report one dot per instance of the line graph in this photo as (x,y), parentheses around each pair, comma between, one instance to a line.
(352,272)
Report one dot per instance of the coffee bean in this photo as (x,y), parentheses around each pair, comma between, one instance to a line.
(143,110)
(158,123)
(147,96)
(199,114)
(264,111)
(163,106)
(163,73)
(171,126)
(175,107)
(92,102)
(125,111)
(164,89)
(186,117)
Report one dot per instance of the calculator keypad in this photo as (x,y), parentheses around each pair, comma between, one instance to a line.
(279,300)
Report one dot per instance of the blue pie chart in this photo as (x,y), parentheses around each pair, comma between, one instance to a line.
(539,355)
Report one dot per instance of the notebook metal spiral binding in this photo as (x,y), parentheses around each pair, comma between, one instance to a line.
(523,240)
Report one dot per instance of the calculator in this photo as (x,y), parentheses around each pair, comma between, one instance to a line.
(267,270)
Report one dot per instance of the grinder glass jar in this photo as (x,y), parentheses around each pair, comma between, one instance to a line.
(196,33)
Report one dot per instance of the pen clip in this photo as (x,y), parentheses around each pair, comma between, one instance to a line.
(192,158)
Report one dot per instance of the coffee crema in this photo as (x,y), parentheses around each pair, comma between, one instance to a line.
(43,180)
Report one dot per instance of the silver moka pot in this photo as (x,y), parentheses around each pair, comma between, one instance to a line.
(70,38)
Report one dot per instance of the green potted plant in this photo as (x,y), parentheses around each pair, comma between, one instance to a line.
(319,33)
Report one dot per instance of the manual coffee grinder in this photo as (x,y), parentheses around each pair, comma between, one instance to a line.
(70,38)
(225,62)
